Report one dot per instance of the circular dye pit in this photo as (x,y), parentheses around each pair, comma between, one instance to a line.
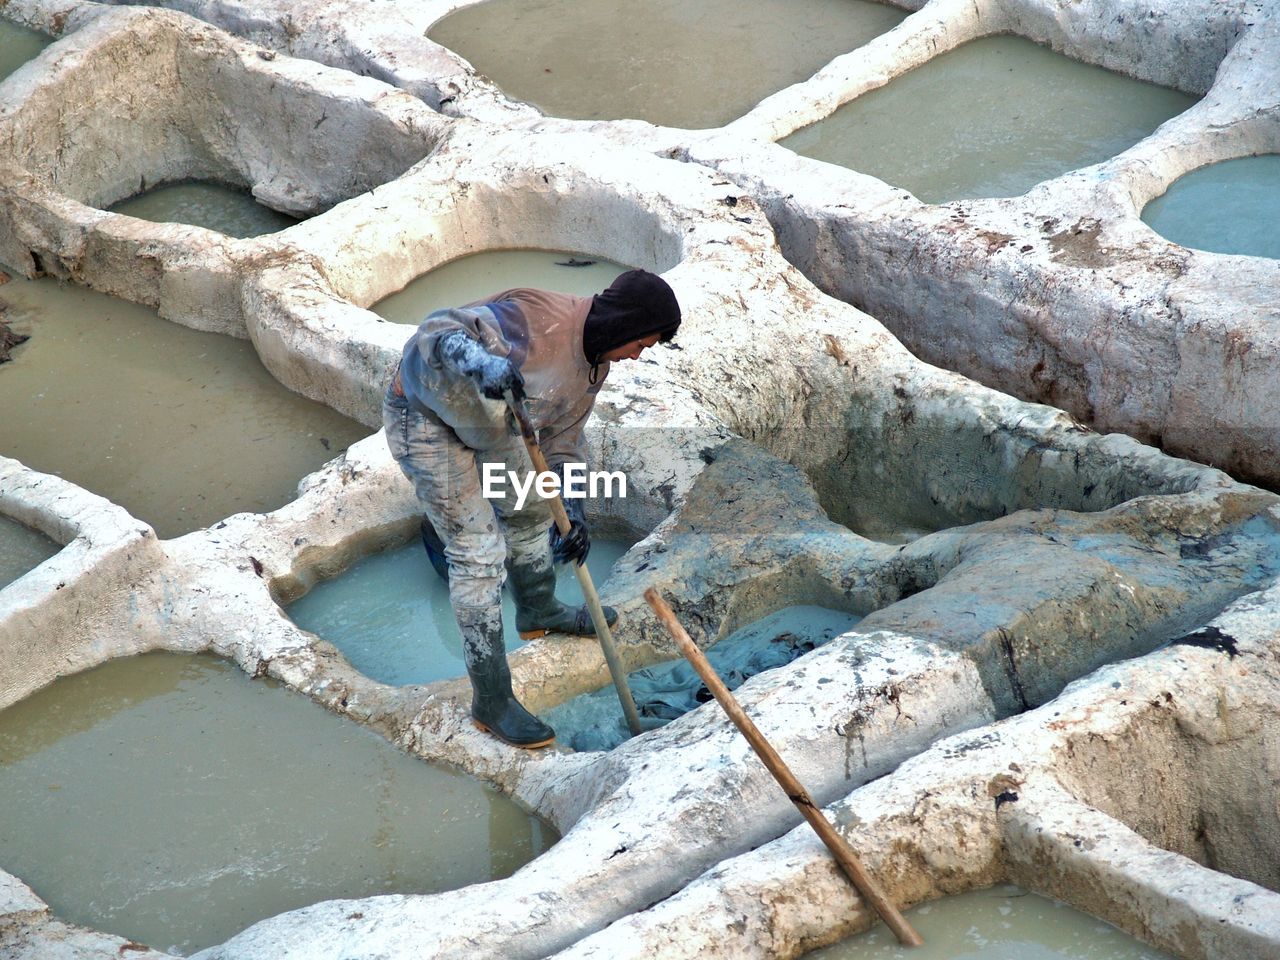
(173,800)
(692,65)
(990,119)
(180,427)
(1228,207)
(390,616)
(665,691)
(216,206)
(1002,923)
(479,275)
(18,44)
(22,549)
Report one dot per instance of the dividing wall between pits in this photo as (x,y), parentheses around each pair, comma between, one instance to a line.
(1064,671)
(1061,295)
(54,619)
(156,97)
(989,806)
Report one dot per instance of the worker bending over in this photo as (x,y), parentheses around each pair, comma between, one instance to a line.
(445,417)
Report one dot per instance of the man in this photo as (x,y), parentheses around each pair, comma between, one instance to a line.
(445,417)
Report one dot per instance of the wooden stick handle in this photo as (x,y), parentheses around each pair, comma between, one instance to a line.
(601,622)
(795,791)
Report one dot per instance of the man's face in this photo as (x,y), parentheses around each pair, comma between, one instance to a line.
(630,351)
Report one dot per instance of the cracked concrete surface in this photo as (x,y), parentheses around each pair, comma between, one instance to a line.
(787,450)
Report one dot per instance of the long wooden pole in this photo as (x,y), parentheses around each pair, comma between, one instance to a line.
(840,849)
(598,618)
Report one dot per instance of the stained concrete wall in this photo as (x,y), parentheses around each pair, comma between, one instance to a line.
(1038,552)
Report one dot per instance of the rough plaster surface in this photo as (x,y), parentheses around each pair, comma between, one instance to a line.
(788,450)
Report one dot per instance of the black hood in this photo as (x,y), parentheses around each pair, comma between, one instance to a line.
(636,305)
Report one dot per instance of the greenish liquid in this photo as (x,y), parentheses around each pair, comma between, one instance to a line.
(18,44)
(228,210)
(479,275)
(1228,207)
(21,549)
(663,692)
(1002,923)
(990,119)
(173,800)
(671,62)
(390,616)
(180,427)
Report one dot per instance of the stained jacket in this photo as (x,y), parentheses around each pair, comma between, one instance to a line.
(541,333)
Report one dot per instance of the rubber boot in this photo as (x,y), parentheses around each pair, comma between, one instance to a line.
(494,707)
(434,546)
(538,612)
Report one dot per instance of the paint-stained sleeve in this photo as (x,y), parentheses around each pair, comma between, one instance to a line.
(562,441)
(469,320)
(430,384)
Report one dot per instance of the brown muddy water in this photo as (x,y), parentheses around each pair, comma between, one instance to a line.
(173,800)
(678,64)
(474,277)
(1000,923)
(180,427)
(21,549)
(229,210)
(18,44)
(990,119)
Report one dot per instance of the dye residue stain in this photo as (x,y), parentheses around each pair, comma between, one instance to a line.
(668,690)
(21,549)
(180,427)
(670,62)
(1002,923)
(226,209)
(172,800)
(474,277)
(990,119)
(1228,207)
(390,616)
(18,44)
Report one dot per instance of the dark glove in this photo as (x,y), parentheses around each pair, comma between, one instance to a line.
(576,544)
(493,376)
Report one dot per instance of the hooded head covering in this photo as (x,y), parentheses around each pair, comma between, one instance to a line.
(638,304)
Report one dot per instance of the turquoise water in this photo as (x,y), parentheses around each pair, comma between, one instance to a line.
(21,549)
(173,800)
(390,616)
(1228,207)
(594,721)
(219,207)
(18,44)
(478,275)
(990,119)
(1002,923)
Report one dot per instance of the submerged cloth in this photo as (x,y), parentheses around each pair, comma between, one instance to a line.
(541,333)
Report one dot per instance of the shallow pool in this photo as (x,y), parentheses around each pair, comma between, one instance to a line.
(474,277)
(217,206)
(1228,207)
(990,119)
(180,427)
(1000,923)
(692,65)
(22,549)
(173,800)
(18,44)
(390,616)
